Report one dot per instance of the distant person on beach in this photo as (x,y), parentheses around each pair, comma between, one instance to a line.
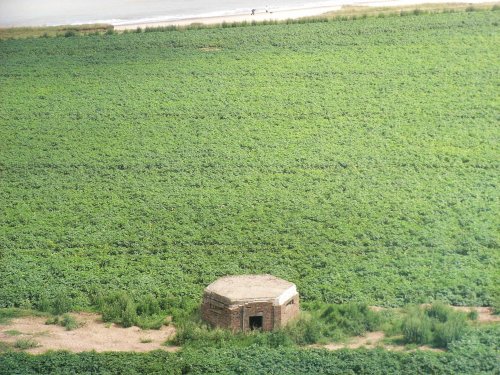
(253,12)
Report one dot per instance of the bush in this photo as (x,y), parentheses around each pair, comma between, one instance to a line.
(305,330)
(118,308)
(437,325)
(440,311)
(148,306)
(200,335)
(417,328)
(66,321)
(351,319)
(473,315)
(452,329)
(60,304)
(69,322)
(24,344)
(278,339)
(69,33)
(151,322)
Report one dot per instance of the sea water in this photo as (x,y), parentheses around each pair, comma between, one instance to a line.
(123,12)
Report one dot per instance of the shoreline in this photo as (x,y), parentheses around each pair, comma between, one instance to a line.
(352,10)
(282,15)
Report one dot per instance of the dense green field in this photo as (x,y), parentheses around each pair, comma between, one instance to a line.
(358,159)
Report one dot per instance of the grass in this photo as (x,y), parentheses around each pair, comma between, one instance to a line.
(67,321)
(344,14)
(121,308)
(24,344)
(52,31)
(438,326)
(7,314)
(353,10)
(5,347)
(12,332)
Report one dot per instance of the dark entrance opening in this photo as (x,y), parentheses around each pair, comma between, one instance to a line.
(255,322)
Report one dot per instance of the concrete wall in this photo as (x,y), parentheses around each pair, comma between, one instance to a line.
(286,312)
(264,309)
(237,317)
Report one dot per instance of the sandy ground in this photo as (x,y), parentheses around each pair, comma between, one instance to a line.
(292,13)
(371,340)
(484,314)
(92,335)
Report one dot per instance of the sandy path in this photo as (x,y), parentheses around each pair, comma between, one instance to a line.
(281,15)
(484,314)
(92,335)
(371,340)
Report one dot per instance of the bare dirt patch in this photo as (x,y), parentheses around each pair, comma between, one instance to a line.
(484,314)
(369,341)
(93,334)
(372,340)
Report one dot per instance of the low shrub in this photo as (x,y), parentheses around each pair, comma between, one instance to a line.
(60,304)
(417,328)
(69,322)
(66,321)
(437,325)
(351,319)
(473,315)
(24,344)
(447,332)
(148,305)
(305,330)
(440,311)
(118,308)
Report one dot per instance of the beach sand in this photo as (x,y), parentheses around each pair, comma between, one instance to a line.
(282,15)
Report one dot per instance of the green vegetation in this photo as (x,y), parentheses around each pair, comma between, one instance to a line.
(12,332)
(344,14)
(141,162)
(120,308)
(357,159)
(10,313)
(476,353)
(23,344)
(322,323)
(438,325)
(66,321)
(52,31)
